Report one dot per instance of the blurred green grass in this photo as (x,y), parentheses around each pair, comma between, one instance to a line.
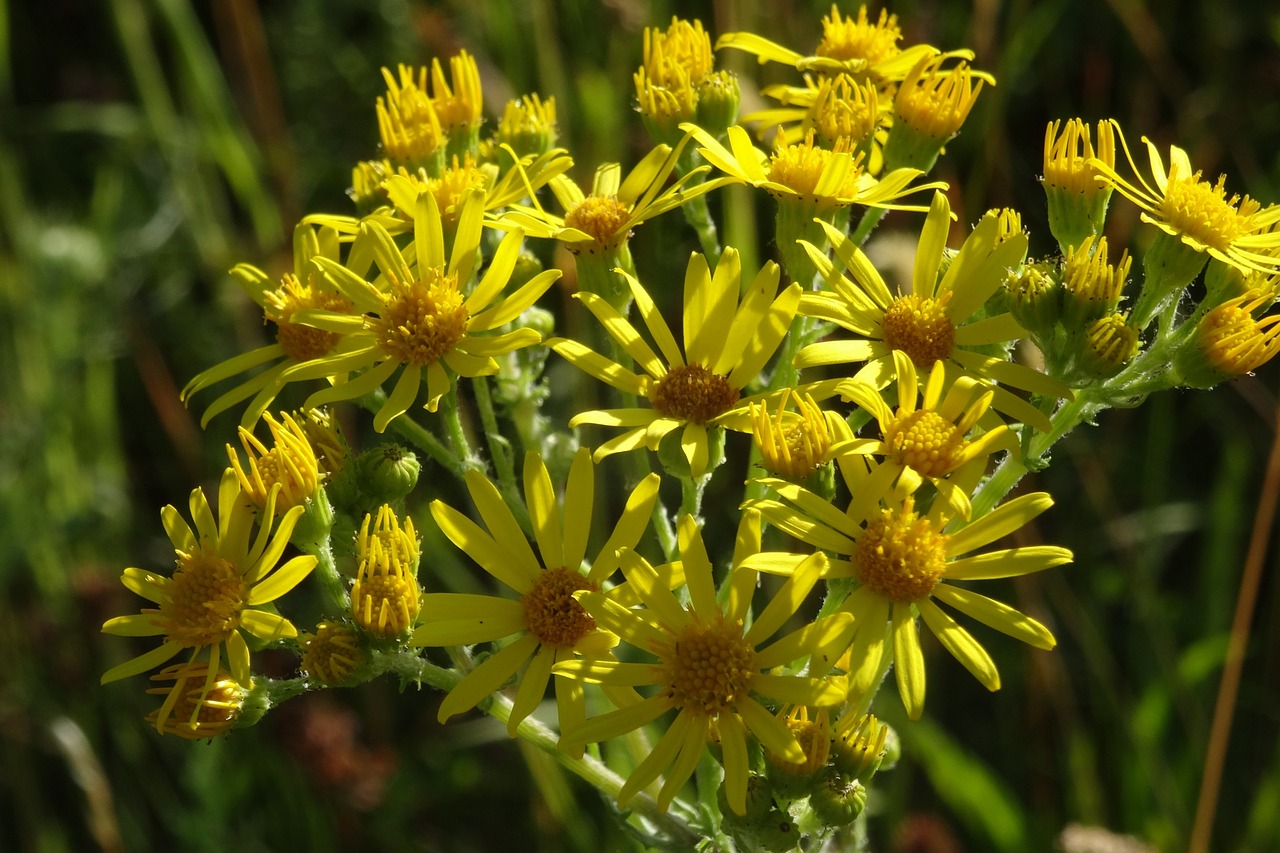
(154,143)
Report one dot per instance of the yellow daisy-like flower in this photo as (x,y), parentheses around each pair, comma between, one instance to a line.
(291,464)
(803,172)
(929,442)
(299,291)
(856,46)
(934,101)
(814,737)
(202,702)
(905,565)
(727,344)
(935,321)
(706,666)
(384,597)
(548,624)
(601,220)
(1091,286)
(225,575)
(795,444)
(1237,231)
(416,317)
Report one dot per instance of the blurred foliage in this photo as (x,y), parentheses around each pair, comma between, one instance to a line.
(148,145)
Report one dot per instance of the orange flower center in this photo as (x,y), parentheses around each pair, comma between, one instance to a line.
(299,342)
(709,667)
(552,614)
(920,327)
(924,441)
(602,217)
(424,320)
(900,555)
(1202,211)
(205,599)
(693,393)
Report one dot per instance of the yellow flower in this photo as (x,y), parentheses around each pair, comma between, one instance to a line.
(727,344)
(795,444)
(1109,344)
(1091,286)
(203,701)
(806,173)
(601,220)
(548,624)
(1077,202)
(1237,231)
(291,464)
(929,442)
(706,665)
(936,321)
(1233,341)
(225,575)
(299,291)
(814,737)
(330,654)
(417,318)
(905,565)
(408,123)
(934,101)
(527,126)
(855,46)
(384,597)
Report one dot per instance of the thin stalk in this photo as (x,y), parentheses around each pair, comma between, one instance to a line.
(1229,687)
(418,435)
(500,453)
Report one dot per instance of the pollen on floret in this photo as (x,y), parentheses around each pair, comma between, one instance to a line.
(709,667)
(800,167)
(602,217)
(299,342)
(205,599)
(551,612)
(924,441)
(454,185)
(692,393)
(849,38)
(422,320)
(920,327)
(900,555)
(1202,211)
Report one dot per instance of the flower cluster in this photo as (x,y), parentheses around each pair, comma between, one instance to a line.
(877,427)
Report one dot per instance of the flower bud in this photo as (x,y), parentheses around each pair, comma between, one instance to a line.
(387,473)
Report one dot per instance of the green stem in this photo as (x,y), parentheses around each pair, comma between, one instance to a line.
(698,214)
(457,434)
(500,452)
(331,580)
(867,224)
(418,435)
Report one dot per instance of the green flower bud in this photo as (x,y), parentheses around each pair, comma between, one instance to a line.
(718,97)
(387,474)
(312,529)
(837,799)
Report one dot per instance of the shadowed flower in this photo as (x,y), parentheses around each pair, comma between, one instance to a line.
(706,666)
(226,575)
(330,654)
(795,444)
(202,702)
(727,344)
(547,623)
(298,291)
